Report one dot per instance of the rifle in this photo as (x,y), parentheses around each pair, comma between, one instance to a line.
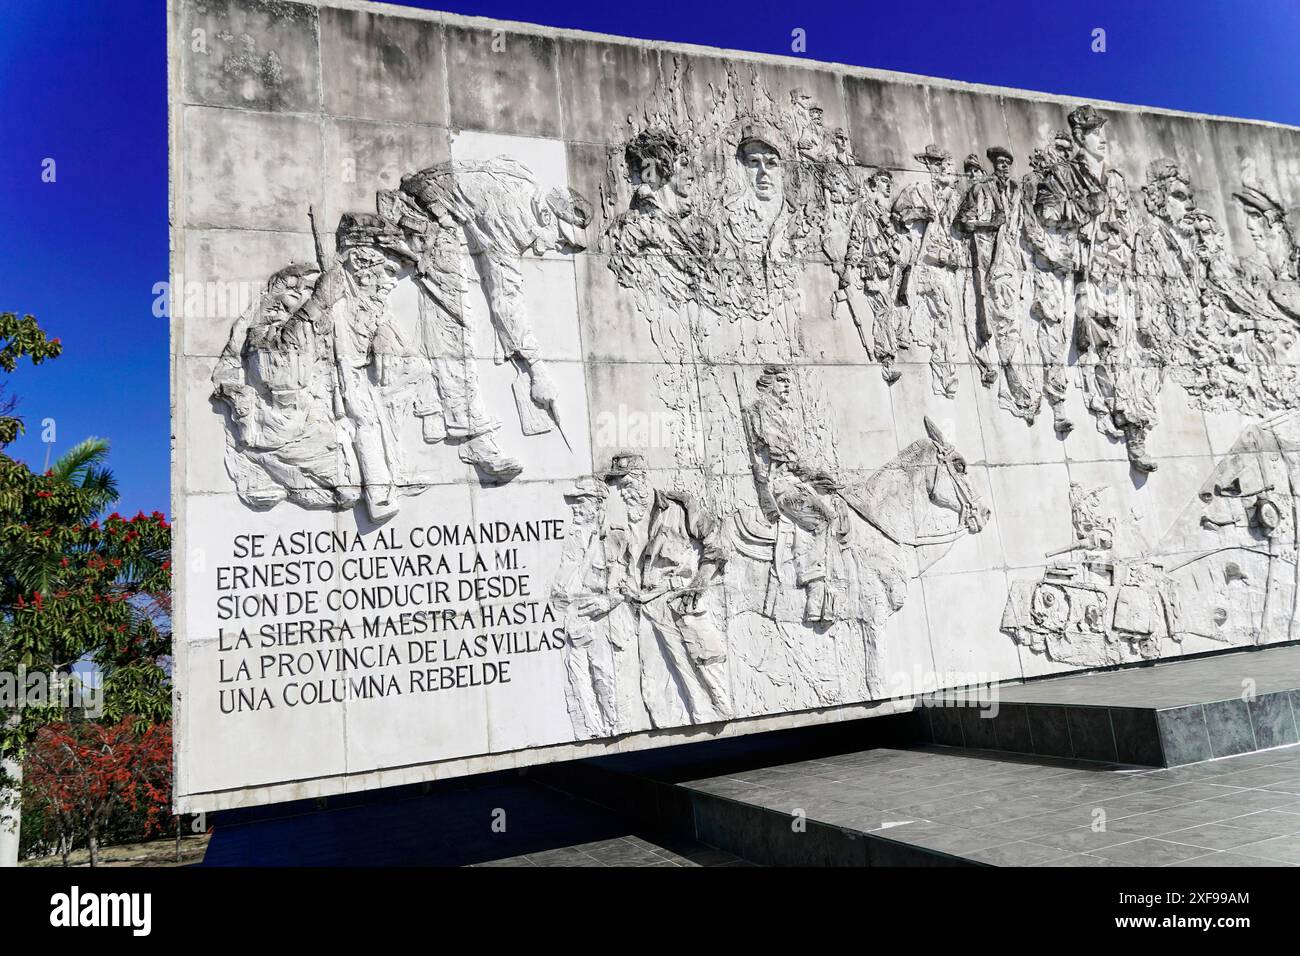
(323,259)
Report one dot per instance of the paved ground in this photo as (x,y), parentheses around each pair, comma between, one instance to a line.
(1173,683)
(998,809)
(624,851)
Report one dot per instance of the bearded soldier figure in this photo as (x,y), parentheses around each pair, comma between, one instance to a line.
(276,377)
(993,213)
(669,565)
(926,212)
(871,262)
(1052,233)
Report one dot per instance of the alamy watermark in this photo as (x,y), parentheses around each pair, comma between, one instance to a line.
(23,688)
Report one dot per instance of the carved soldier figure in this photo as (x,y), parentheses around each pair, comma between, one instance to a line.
(503,215)
(1276,264)
(1165,268)
(453,409)
(1058,187)
(1051,231)
(1252,345)
(350,306)
(842,147)
(791,489)
(972,171)
(806,129)
(756,272)
(871,262)
(669,565)
(1105,311)
(926,212)
(276,376)
(1165,262)
(579,594)
(1094,530)
(657,245)
(993,213)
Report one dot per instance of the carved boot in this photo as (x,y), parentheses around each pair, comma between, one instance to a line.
(542,387)
(815,608)
(433,428)
(483,453)
(888,372)
(1060,422)
(1137,454)
(381,502)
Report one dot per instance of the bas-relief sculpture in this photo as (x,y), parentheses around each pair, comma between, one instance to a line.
(757,576)
(320,371)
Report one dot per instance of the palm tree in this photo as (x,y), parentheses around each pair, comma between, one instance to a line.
(83,468)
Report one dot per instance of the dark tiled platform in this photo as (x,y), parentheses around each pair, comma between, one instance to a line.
(1162,715)
(931,806)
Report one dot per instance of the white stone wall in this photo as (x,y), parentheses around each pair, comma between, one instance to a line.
(654,338)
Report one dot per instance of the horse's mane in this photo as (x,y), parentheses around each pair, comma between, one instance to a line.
(919,452)
(893,482)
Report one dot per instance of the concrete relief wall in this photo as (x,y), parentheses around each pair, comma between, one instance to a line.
(539,394)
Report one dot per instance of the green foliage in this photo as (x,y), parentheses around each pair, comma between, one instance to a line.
(77,586)
(21,337)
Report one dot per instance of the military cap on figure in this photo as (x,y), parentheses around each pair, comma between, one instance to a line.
(1254,198)
(932,154)
(1085,117)
(624,463)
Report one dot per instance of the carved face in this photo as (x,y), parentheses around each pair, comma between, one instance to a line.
(634,489)
(1209,239)
(881,186)
(1178,203)
(585,512)
(1257,226)
(1002,167)
(684,188)
(289,291)
(781,385)
(1270,237)
(941,172)
(373,272)
(1093,142)
(762,167)
(292,299)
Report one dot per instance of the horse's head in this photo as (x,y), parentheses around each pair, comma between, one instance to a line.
(948,485)
(923,498)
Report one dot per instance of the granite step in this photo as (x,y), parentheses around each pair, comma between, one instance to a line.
(927,805)
(1160,715)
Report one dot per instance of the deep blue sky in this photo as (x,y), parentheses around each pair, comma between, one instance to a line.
(84,82)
